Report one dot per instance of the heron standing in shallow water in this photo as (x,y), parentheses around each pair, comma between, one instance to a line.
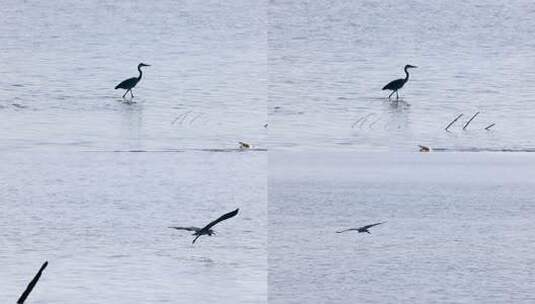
(397,84)
(130,83)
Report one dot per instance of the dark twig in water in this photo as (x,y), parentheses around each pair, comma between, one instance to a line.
(374,122)
(183,116)
(363,118)
(195,118)
(174,121)
(453,121)
(469,121)
(490,126)
(26,292)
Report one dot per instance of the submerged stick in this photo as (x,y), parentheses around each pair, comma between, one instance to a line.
(453,121)
(32,284)
(362,119)
(183,116)
(195,118)
(490,126)
(469,121)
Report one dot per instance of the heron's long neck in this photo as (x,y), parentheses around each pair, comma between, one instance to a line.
(406,75)
(141,73)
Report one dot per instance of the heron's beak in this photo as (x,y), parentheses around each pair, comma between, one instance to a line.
(413,66)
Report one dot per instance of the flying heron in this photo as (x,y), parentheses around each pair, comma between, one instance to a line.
(206,230)
(361,229)
(397,84)
(130,83)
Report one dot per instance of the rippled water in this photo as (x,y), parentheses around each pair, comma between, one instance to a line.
(328,61)
(459,228)
(101,220)
(206,87)
(290,75)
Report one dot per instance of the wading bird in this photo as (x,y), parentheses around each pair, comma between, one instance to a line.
(361,229)
(245,146)
(130,83)
(397,84)
(206,230)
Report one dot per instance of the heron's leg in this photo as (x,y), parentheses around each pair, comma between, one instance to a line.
(125,93)
(397,95)
(391,94)
(131,94)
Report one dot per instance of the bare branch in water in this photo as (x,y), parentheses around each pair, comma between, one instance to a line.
(363,118)
(195,118)
(31,285)
(469,121)
(490,126)
(453,121)
(183,116)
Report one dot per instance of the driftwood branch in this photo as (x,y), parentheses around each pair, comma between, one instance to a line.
(31,285)
(453,121)
(183,116)
(362,120)
(490,126)
(469,121)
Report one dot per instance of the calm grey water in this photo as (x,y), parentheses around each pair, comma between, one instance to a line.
(314,67)
(101,220)
(328,61)
(62,59)
(220,71)
(459,228)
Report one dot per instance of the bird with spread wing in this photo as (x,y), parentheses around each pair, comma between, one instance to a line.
(361,229)
(207,230)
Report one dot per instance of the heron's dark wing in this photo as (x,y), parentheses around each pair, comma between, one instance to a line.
(225,216)
(369,226)
(196,229)
(350,229)
(394,84)
(127,84)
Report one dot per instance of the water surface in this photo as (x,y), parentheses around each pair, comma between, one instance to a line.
(328,61)
(101,220)
(206,87)
(459,228)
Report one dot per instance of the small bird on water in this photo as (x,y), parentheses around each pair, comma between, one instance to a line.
(361,229)
(130,83)
(397,84)
(424,148)
(244,145)
(207,230)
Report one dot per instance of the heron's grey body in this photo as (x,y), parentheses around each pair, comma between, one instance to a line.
(130,83)
(207,230)
(196,230)
(361,229)
(397,84)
